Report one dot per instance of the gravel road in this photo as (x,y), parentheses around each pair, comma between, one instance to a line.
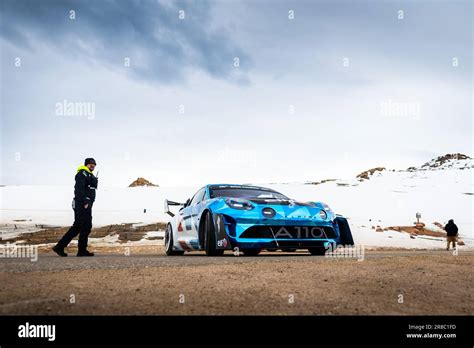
(148,282)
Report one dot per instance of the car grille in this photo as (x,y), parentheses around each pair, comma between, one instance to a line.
(289,232)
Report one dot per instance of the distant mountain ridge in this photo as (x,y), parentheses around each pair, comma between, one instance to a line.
(448,161)
(455,161)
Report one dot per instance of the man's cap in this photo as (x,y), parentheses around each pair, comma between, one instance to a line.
(89,161)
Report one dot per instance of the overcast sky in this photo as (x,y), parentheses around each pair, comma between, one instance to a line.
(231,91)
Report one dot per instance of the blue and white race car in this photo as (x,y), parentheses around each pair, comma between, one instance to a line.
(249,219)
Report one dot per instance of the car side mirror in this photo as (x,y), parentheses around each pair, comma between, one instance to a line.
(187,202)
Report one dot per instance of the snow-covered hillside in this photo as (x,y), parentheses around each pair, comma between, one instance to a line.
(387,198)
(393,199)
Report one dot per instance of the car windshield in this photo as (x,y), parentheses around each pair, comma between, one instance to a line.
(245,192)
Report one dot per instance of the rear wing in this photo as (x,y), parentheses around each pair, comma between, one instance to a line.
(167,206)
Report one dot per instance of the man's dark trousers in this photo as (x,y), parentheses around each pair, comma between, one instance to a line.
(82,225)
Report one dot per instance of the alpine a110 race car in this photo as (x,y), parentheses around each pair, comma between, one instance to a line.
(249,219)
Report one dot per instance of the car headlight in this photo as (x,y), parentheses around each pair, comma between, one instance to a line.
(239,204)
(323,215)
(327,208)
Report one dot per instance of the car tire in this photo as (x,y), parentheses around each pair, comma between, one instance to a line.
(318,251)
(210,245)
(344,231)
(251,252)
(169,243)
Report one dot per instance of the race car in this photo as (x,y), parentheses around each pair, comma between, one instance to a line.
(248,219)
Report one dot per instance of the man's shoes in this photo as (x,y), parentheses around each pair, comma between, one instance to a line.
(60,251)
(84,253)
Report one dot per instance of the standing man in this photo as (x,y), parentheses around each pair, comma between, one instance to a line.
(451,233)
(84,196)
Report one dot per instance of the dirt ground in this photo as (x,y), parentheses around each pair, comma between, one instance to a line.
(125,232)
(148,282)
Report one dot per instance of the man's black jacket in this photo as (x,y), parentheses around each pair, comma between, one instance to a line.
(451,229)
(84,189)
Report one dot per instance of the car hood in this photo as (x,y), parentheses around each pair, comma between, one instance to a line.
(287,202)
(284,209)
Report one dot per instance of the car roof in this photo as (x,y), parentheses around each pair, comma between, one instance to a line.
(237,186)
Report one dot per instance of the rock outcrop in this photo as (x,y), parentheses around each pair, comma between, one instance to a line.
(368,173)
(142,182)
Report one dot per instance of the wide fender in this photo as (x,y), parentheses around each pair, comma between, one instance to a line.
(345,232)
(222,239)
